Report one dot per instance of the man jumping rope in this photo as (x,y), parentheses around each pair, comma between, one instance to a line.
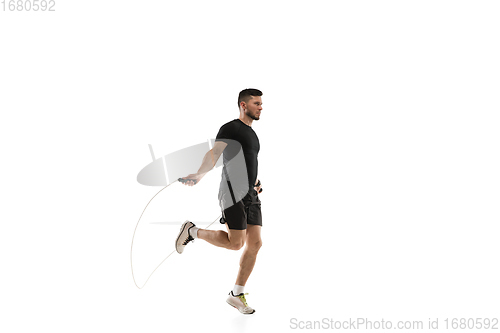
(240,212)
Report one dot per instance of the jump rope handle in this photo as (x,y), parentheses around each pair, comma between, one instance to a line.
(257,185)
(182,180)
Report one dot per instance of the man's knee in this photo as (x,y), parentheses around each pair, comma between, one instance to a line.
(236,239)
(254,245)
(236,245)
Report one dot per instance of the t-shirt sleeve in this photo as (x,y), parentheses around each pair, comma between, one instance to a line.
(227,131)
(228,134)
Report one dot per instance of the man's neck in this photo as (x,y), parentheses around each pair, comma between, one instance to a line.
(246,119)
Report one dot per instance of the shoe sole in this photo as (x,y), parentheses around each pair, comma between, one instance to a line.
(180,234)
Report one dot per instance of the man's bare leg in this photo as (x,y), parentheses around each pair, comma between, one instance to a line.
(232,240)
(249,256)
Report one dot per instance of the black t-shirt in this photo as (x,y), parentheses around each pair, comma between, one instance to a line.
(248,142)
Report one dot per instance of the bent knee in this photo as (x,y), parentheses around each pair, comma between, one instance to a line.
(236,245)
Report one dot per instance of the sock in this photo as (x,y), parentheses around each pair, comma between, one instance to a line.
(238,290)
(194,232)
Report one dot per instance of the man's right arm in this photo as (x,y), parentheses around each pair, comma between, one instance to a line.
(209,161)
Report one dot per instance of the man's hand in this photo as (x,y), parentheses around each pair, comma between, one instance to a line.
(196,176)
(258,186)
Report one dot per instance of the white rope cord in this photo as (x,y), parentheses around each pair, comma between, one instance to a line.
(132,245)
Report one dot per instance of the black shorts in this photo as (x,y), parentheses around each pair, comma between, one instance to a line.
(245,211)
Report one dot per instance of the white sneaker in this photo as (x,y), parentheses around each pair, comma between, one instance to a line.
(240,303)
(184,237)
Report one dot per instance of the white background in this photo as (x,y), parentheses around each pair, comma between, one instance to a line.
(379,161)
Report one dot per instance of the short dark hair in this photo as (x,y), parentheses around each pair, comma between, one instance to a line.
(247,94)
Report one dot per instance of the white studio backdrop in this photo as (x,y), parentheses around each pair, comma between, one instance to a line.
(379,162)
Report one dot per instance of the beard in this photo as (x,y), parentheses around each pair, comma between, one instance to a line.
(254,116)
